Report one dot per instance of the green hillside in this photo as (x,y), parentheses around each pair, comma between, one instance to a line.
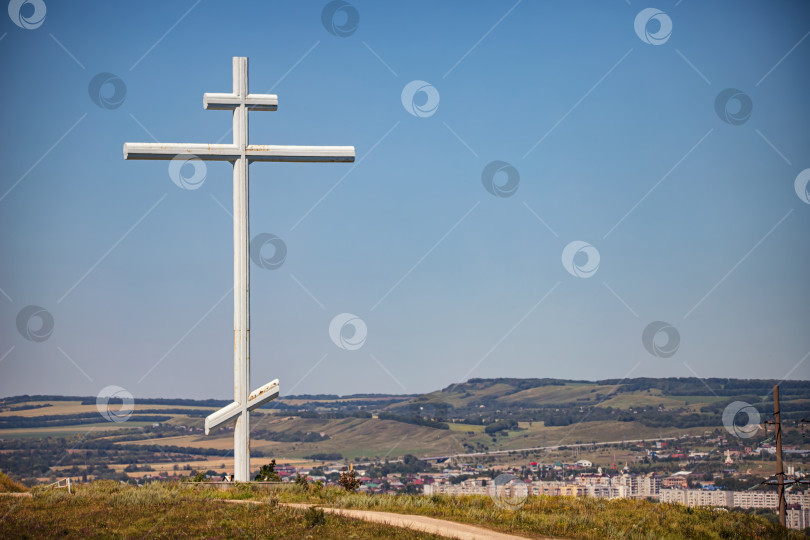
(480,416)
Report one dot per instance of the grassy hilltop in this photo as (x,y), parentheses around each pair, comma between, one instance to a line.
(107,508)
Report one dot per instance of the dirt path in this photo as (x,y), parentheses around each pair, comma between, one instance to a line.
(450,529)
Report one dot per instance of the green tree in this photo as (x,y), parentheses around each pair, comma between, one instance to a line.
(302,481)
(349,480)
(268,473)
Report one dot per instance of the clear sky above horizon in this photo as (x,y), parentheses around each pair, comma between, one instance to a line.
(633,188)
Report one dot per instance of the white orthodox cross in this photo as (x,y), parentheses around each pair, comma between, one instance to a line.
(240,153)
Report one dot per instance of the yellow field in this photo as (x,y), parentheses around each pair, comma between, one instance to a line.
(76,407)
(66,431)
(628,401)
(559,394)
(365,437)
(477,428)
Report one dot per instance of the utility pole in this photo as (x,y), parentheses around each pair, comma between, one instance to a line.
(780,470)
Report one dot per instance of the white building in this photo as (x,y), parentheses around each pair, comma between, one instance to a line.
(592,480)
(697,497)
(798,498)
(633,486)
(640,487)
(756,499)
(797,517)
(606,492)
(515,490)
(555,488)
(473,486)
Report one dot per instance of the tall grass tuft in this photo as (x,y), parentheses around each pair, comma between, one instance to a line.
(314,516)
(7,485)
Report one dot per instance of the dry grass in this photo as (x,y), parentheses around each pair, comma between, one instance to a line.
(169,510)
(7,485)
(567,517)
(108,509)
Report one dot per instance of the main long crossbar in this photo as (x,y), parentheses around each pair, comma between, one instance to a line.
(231,152)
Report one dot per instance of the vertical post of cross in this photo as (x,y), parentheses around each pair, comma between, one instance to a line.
(241,273)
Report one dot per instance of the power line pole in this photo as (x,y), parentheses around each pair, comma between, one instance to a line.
(780,470)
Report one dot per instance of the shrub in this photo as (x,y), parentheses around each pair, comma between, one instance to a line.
(349,481)
(302,482)
(314,517)
(268,473)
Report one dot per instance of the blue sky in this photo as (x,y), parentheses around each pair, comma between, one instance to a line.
(614,134)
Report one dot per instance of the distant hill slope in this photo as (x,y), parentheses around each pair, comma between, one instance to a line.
(537,390)
(667,393)
(475,416)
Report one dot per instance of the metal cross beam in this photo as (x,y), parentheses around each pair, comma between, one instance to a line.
(256,399)
(241,154)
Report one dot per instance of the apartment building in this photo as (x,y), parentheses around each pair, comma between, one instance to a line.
(797,516)
(697,497)
(607,492)
(641,486)
(756,499)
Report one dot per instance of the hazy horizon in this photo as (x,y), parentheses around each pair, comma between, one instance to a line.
(358,394)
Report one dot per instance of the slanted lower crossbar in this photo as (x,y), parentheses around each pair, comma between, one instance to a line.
(257,398)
